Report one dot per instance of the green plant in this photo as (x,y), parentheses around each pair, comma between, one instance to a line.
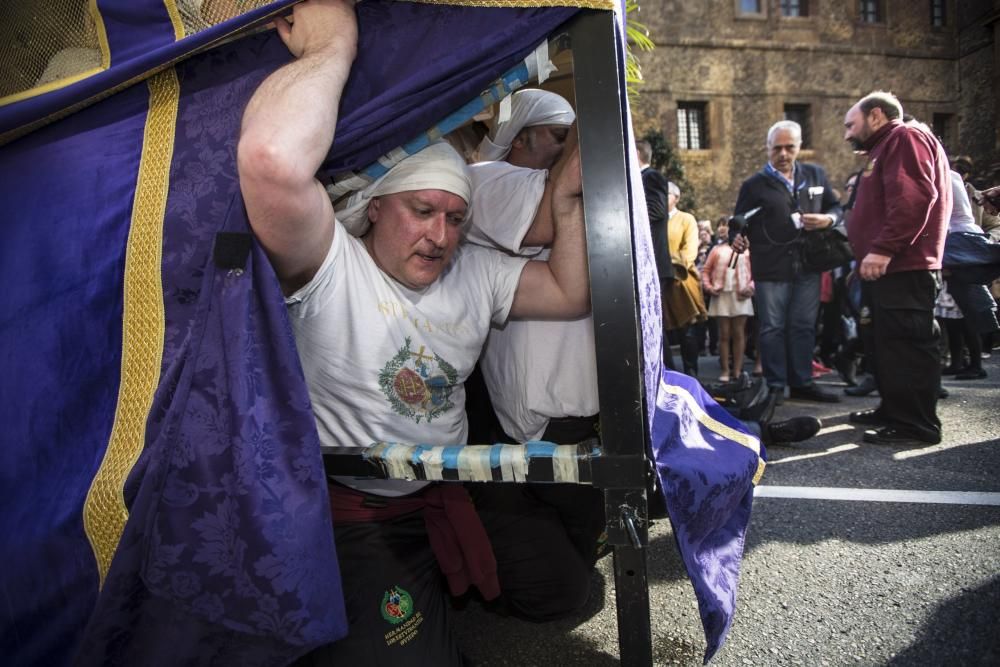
(636,35)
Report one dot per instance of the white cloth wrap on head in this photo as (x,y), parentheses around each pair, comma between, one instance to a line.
(437,167)
(528,108)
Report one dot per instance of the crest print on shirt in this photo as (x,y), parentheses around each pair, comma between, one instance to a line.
(418,383)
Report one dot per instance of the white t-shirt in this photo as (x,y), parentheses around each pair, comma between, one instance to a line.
(962,219)
(385,363)
(535,370)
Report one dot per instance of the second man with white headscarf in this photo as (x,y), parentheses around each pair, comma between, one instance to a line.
(541,374)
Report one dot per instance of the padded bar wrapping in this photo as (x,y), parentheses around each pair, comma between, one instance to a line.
(536,461)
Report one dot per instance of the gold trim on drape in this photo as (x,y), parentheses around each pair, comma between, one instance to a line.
(706,420)
(175,19)
(102,34)
(104,512)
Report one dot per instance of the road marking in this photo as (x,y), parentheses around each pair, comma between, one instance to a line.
(826,452)
(835,429)
(912,453)
(879,495)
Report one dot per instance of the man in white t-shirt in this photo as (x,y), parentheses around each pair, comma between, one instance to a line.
(541,375)
(388,326)
(535,370)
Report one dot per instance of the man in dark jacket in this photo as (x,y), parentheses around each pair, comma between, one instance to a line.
(897,230)
(794,198)
(654,186)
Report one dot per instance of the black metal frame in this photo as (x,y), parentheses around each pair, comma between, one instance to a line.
(621,467)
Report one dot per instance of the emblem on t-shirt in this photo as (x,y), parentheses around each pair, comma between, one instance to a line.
(418,383)
(397,605)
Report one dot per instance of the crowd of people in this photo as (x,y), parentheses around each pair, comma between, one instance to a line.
(875,318)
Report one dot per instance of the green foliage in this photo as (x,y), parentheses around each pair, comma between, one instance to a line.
(665,160)
(637,35)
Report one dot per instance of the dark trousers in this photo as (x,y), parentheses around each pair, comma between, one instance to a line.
(904,345)
(668,353)
(687,337)
(545,536)
(543,577)
(378,562)
(962,334)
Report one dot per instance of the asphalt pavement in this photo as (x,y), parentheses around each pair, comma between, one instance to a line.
(893,563)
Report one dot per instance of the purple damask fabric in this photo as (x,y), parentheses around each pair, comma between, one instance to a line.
(707,463)
(229,553)
(706,476)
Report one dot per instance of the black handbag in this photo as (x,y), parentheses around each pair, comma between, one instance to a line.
(824,249)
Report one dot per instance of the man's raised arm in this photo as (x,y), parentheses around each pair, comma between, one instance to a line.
(560,287)
(287,131)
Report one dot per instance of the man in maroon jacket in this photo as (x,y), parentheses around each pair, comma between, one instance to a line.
(897,230)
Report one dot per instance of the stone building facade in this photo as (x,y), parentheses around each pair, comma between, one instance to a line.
(723,71)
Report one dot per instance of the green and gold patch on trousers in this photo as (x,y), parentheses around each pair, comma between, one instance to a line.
(397,609)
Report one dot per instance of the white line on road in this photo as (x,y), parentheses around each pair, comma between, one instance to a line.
(835,429)
(826,452)
(878,495)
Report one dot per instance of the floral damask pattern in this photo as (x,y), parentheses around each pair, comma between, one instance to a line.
(230,528)
(647,282)
(707,481)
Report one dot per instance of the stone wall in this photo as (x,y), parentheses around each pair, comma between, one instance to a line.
(745,69)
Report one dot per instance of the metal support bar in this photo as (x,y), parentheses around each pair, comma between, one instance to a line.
(599,88)
(635,641)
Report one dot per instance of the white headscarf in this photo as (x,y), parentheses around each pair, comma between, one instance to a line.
(527,108)
(437,167)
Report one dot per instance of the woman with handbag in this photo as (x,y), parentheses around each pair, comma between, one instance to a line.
(726,276)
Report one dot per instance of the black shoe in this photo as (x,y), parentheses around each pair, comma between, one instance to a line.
(943,393)
(812,392)
(890,435)
(867,417)
(971,374)
(795,429)
(866,387)
(952,369)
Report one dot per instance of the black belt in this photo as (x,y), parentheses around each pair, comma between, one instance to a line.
(570,430)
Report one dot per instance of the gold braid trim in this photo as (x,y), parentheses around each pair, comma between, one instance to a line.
(104,512)
(175,19)
(102,34)
(583,4)
(748,441)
